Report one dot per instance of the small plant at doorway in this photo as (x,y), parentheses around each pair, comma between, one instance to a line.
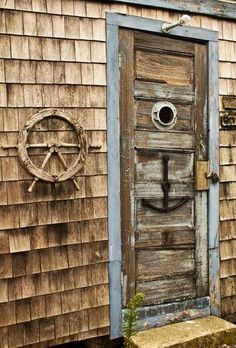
(130,318)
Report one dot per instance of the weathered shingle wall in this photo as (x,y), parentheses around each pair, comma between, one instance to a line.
(53,241)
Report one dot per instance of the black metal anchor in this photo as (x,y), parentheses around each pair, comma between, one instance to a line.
(165,188)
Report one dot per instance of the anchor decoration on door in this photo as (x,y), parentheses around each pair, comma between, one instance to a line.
(166,185)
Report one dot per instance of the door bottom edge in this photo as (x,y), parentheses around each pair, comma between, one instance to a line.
(164,314)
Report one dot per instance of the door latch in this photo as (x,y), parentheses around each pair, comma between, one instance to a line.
(213,176)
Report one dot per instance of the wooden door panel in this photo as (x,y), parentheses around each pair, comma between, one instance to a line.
(161,140)
(153,91)
(150,218)
(157,43)
(165,236)
(154,264)
(168,290)
(143,120)
(164,253)
(153,189)
(164,67)
(149,166)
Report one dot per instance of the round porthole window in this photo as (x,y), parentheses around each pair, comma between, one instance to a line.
(164,115)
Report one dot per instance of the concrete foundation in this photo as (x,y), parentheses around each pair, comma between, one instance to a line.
(209,332)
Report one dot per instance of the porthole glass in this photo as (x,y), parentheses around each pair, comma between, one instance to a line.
(164,115)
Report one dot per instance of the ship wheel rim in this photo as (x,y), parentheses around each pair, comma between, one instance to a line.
(32,168)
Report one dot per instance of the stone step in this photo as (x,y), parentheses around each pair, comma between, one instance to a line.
(208,332)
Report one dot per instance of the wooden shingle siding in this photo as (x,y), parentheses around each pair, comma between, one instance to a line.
(53,241)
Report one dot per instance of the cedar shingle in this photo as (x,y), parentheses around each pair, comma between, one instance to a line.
(54,6)
(44,25)
(5,266)
(19,264)
(22,310)
(29,23)
(62,325)
(38,307)
(83,51)
(3,290)
(31,331)
(4,241)
(71,301)
(14,22)
(47,328)
(53,304)
(7,313)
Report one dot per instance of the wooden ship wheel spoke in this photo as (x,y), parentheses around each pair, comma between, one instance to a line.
(54,148)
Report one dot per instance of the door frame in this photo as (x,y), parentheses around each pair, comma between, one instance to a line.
(114,21)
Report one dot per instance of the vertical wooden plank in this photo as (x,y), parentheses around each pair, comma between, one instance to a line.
(113,140)
(201,256)
(200,125)
(127,159)
(213,212)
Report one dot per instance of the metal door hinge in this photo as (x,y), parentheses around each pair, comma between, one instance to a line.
(201,181)
(203,174)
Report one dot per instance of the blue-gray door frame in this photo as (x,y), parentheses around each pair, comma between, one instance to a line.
(114,22)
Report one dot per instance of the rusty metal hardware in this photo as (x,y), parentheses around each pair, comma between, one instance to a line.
(213,176)
(165,188)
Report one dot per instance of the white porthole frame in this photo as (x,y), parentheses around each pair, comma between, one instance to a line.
(155,113)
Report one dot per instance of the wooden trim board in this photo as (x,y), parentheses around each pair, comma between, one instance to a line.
(114,21)
(214,197)
(113,141)
(213,8)
(151,25)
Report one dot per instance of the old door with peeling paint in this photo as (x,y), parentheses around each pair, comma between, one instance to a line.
(163,115)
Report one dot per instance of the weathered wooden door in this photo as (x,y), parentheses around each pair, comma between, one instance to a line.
(163,115)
